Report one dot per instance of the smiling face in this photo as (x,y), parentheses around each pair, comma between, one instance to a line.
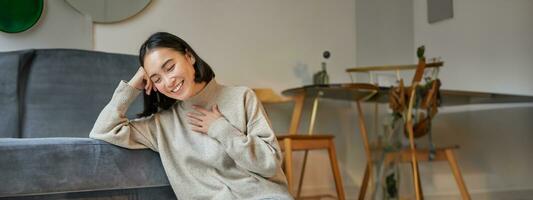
(172,73)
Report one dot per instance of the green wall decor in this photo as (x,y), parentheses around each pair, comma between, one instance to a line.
(19,15)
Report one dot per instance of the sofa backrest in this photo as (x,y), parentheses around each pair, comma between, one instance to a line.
(64,90)
(10,65)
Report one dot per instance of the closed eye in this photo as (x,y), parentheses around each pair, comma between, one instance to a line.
(171,68)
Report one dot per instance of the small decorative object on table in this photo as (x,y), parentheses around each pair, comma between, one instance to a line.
(322,77)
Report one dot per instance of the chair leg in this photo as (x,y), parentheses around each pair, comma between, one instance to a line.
(414,161)
(288,162)
(364,184)
(457,174)
(420,189)
(300,183)
(335,168)
(416,179)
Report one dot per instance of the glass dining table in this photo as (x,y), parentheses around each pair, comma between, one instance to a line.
(364,92)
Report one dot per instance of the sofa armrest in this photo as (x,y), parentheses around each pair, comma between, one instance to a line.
(34,166)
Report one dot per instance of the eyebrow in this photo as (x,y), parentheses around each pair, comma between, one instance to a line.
(162,66)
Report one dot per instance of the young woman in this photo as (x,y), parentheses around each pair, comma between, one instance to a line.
(215,141)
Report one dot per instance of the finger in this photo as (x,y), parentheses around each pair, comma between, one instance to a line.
(152,86)
(199,130)
(215,109)
(196,115)
(147,87)
(195,120)
(200,109)
(195,123)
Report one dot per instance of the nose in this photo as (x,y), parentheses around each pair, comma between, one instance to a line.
(170,82)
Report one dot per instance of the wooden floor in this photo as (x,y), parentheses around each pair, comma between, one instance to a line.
(500,195)
(503,195)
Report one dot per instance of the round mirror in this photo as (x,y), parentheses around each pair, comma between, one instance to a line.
(20,15)
(109,11)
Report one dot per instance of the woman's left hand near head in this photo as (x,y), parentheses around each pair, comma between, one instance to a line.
(203,118)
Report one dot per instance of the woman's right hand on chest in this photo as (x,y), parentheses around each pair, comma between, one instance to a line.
(141,81)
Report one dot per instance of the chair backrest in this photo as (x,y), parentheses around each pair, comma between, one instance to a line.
(269,96)
(405,100)
(424,96)
(370,70)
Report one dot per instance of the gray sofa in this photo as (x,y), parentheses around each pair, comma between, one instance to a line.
(49,100)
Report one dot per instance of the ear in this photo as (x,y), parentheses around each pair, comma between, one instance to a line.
(190,57)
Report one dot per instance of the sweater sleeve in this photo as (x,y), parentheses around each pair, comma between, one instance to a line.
(257,149)
(113,126)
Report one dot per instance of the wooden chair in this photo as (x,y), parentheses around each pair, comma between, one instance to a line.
(294,142)
(412,154)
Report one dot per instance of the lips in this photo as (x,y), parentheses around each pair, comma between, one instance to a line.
(178,87)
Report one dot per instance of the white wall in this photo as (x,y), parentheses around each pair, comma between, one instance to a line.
(487,45)
(243,40)
(60,26)
(384,32)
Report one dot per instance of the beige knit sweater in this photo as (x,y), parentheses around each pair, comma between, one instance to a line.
(239,157)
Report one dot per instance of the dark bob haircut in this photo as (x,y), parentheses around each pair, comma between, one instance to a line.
(202,71)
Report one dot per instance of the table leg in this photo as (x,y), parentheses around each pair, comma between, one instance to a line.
(364,135)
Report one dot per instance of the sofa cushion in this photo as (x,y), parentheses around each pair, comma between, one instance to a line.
(10,65)
(152,193)
(31,166)
(68,88)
